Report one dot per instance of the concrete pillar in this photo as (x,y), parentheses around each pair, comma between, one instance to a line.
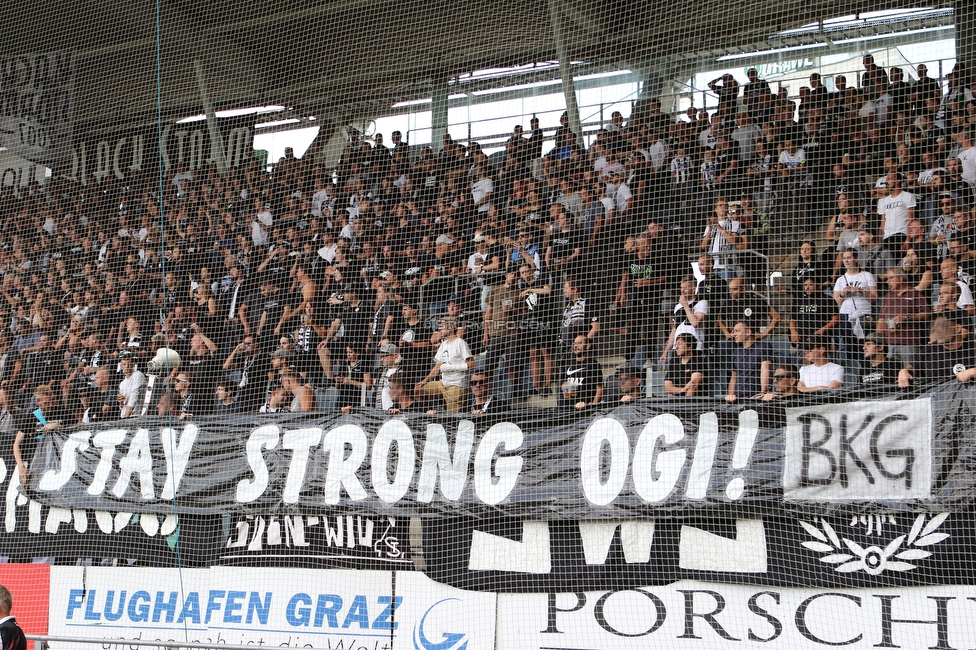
(216,141)
(565,69)
(438,115)
(965,18)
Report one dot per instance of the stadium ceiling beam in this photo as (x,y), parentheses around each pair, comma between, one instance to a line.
(822,48)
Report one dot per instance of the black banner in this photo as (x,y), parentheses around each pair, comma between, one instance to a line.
(92,158)
(646,459)
(876,550)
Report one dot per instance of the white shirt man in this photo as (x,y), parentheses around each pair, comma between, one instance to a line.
(967,158)
(480,190)
(819,373)
(623,195)
(320,198)
(261,225)
(896,209)
(131,387)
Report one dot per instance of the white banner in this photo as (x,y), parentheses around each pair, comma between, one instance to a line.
(276,607)
(36,104)
(859,451)
(710,616)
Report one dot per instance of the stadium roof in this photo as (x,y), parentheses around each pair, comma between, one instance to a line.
(346,59)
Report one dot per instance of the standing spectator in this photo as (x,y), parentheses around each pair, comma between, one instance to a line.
(131,388)
(751,361)
(949,273)
(720,238)
(579,317)
(743,305)
(11,636)
(854,292)
(250,365)
(582,383)
(261,222)
(501,328)
(536,328)
(689,317)
(903,318)
(179,405)
(819,373)
(402,396)
(895,211)
(452,361)
(31,424)
(814,314)
(353,380)
(872,256)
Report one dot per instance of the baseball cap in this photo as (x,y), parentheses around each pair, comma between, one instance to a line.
(875,338)
(389,348)
(479,237)
(281,353)
(443,239)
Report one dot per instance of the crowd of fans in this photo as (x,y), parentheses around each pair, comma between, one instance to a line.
(453,281)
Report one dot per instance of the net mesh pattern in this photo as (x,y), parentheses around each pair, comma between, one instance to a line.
(232,218)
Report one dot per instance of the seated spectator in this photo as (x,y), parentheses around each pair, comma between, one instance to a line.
(948,305)
(582,384)
(785,378)
(278,402)
(819,373)
(389,365)
(951,353)
(751,361)
(302,394)
(949,272)
(452,361)
(225,402)
(628,386)
(878,369)
(482,397)
(178,397)
(102,401)
(402,395)
(686,370)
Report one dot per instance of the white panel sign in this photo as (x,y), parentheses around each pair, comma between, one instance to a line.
(277,607)
(710,616)
(859,451)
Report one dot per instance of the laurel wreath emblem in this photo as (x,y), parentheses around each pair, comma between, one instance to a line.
(874,560)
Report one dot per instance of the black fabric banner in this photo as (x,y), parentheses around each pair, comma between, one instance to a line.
(654,457)
(877,550)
